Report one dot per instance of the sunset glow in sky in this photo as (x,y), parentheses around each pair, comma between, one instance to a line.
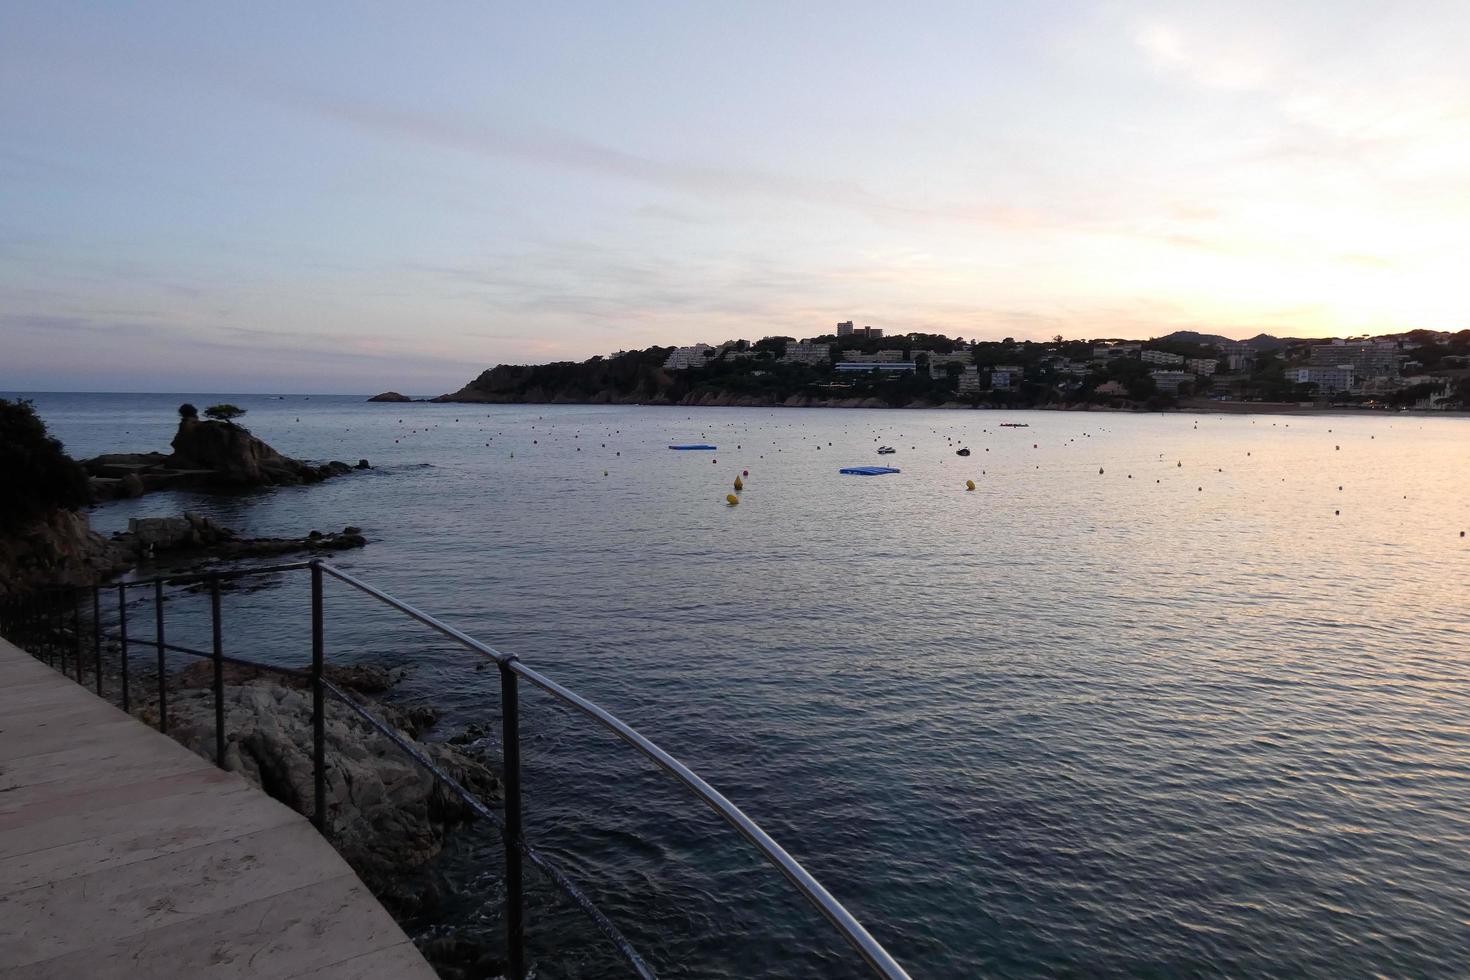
(353,197)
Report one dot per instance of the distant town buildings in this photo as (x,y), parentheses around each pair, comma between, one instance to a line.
(938,361)
(887,367)
(1004,376)
(1160,357)
(807,352)
(1169,381)
(1327,379)
(1105,352)
(1368,359)
(1111,389)
(688,357)
(844,329)
(1239,357)
(880,357)
(1201,365)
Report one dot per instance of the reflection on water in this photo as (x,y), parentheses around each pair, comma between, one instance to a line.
(1156,698)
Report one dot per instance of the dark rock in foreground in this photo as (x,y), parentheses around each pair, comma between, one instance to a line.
(60,549)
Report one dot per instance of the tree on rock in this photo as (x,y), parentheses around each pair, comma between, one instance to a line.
(188,411)
(39,476)
(223,413)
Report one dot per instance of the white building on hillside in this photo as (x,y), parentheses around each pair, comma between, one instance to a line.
(688,357)
(1169,381)
(1201,365)
(807,352)
(1161,357)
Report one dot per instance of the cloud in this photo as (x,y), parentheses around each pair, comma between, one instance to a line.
(718,184)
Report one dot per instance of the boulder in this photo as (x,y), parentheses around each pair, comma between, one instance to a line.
(235,456)
(59,549)
(385,814)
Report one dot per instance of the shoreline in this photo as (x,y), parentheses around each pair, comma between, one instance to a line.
(1218,408)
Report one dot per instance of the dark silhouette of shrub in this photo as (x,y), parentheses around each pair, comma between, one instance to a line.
(39,476)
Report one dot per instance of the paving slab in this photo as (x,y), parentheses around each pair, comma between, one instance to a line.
(123,854)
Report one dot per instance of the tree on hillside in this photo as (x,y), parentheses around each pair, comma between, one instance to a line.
(39,476)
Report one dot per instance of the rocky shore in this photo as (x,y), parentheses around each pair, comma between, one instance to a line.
(388,817)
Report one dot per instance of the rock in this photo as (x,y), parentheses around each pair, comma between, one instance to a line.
(158,537)
(362,678)
(457,957)
(362,464)
(130,486)
(390,396)
(385,814)
(59,549)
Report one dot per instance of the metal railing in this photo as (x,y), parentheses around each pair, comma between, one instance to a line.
(40,620)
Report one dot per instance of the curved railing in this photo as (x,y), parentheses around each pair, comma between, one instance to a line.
(45,620)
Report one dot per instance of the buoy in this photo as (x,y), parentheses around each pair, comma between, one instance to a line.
(739,485)
(731,499)
(1099,471)
(969,484)
(745,472)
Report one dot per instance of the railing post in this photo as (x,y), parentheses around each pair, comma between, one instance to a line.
(122,636)
(76,630)
(515,927)
(318,704)
(97,635)
(162,675)
(55,647)
(219,673)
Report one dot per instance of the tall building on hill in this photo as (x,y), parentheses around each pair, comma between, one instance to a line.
(844,329)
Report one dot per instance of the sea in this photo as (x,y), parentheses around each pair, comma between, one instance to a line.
(1164,695)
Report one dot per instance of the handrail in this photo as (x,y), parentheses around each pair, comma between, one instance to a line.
(872,952)
(852,930)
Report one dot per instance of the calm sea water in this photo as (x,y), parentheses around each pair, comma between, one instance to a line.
(1163,696)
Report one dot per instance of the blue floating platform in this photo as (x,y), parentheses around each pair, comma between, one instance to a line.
(698,446)
(867,470)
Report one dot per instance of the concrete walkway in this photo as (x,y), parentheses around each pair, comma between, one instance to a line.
(123,854)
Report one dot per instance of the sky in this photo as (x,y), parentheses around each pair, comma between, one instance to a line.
(353,197)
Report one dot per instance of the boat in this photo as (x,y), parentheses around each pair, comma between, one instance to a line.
(886,450)
(867,470)
(698,445)
(962,452)
(1015,425)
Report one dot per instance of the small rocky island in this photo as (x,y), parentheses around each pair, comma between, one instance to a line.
(216,452)
(390,396)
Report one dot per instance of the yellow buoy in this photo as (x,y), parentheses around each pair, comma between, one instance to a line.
(738,484)
(731,499)
(969,484)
